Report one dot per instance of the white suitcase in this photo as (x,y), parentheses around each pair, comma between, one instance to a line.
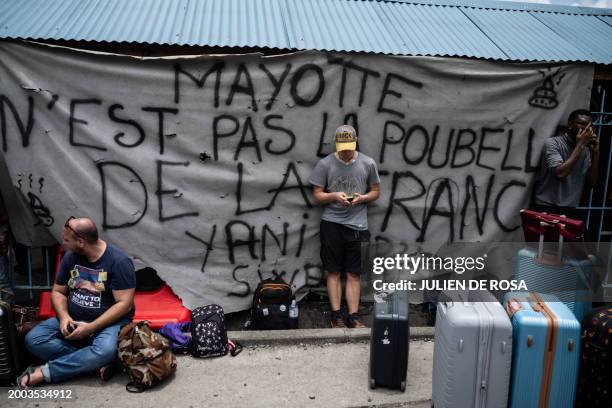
(472,354)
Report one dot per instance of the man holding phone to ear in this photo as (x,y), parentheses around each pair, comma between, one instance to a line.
(93,296)
(344,182)
(568,160)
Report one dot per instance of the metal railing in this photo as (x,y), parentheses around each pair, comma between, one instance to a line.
(598,212)
(48,268)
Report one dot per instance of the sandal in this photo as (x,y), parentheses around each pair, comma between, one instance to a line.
(106,372)
(27,373)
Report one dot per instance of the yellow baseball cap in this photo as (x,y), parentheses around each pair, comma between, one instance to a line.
(346,138)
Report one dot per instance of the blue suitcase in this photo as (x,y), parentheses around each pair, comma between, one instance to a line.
(564,277)
(545,351)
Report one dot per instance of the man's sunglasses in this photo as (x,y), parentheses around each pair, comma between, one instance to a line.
(67,225)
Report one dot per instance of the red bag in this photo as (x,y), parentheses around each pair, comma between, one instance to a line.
(573,230)
(553,227)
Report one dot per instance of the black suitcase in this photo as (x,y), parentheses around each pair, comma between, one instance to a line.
(595,378)
(9,355)
(389,342)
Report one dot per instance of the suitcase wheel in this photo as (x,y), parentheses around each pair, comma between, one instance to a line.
(372,383)
(403,386)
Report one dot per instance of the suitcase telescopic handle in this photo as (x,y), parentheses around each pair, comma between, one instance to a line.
(448,304)
(561,228)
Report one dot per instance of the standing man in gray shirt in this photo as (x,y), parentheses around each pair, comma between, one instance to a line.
(344,182)
(568,160)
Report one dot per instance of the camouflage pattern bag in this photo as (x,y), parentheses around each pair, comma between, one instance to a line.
(146,355)
(25,319)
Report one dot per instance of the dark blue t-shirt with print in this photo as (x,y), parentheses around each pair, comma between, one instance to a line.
(91,284)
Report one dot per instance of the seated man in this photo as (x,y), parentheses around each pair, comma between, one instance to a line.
(93,296)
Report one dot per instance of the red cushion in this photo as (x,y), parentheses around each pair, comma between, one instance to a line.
(45,310)
(158,307)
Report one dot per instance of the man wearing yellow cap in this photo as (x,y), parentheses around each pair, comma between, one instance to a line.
(344,182)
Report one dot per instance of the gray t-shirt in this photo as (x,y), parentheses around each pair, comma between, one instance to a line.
(336,176)
(550,190)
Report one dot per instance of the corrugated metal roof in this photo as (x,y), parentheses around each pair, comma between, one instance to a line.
(470,28)
(521,36)
(595,28)
(426,30)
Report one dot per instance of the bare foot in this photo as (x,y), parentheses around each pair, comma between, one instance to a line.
(33,379)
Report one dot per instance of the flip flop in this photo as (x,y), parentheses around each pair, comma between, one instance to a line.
(27,373)
(106,372)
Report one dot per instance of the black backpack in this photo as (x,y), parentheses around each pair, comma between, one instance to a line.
(209,335)
(271,303)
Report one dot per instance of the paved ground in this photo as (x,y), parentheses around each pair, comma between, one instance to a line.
(317,372)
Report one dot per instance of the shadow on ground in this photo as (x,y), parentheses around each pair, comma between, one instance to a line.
(314,314)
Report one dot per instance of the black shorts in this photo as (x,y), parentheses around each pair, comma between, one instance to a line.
(343,249)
